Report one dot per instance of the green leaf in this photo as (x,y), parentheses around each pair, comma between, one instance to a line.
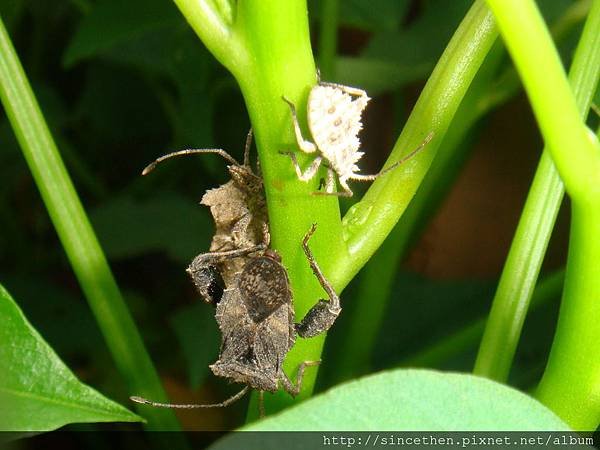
(38,392)
(413,400)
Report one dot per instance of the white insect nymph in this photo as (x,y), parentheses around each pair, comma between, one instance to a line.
(334,119)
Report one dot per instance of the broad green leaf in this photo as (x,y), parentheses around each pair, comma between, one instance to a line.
(38,392)
(415,400)
(59,317)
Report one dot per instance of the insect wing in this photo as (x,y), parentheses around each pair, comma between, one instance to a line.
(264,287)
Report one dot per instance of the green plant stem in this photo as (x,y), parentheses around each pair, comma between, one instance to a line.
(328,38)
(571,382)
(77,237)
(275,37)
(280,63)
(539,66)
(570,385)
(368,222)
(531,239)
(487,91)
(215,32)
(377,278)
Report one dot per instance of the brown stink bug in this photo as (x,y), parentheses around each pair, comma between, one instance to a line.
(334,118)
(256,318)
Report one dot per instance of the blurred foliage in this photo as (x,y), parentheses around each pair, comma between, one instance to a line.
(121,83)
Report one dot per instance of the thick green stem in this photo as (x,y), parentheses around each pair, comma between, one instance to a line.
(531,239)
(77,236)
(275,37)
(571,383)
(368,222)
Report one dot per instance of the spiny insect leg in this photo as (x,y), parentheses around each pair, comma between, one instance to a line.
(330,186)
(247,148)
(205,274)
(212,258)
(322,315)
(261,404)
(305,146)
(310,171)
(359,177)
(289,387)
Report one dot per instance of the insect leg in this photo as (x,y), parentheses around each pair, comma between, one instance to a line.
(321,316)
(227,402)
(310,171)
(359,177)
(330,186)
(247,148)
(261,404)
(207,278)
(289,387)
(305,146)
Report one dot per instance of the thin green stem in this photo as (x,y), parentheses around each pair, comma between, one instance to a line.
(77,237)
(529,245)
(328,38)
(368,222)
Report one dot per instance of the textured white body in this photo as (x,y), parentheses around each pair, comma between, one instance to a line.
(334,120)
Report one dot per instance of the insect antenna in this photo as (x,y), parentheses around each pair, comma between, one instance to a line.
(223,404)
(359,177)
(150,167)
